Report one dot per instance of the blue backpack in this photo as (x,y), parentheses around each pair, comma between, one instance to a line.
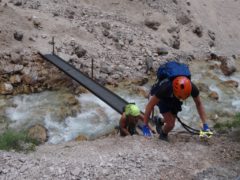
(169,71)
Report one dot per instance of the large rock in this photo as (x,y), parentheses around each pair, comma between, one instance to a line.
(230,83)
(38,132)
(13,68)
(81,138)
(213,95)
(228,66)
(15,79)
(183,18)
(151,23)
(203,87)
(6,88)
(26,79)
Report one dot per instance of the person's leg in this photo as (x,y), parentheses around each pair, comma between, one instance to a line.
(169,122)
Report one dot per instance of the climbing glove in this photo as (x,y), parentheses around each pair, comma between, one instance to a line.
(205,132)
(205,127)
(146,131)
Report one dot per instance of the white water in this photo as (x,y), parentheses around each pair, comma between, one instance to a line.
(96,118)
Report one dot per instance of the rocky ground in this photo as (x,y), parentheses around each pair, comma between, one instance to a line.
(125,39)
(184,157)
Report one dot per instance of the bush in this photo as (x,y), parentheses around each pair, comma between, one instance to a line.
(228,125)
(18,141)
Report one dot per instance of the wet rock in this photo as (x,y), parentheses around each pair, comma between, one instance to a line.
(26,89)
(38,132)
(140,80)
(81,138)
(214,116)
(203,87)
(213,95)
(80,90)
(230,83)
(71,100)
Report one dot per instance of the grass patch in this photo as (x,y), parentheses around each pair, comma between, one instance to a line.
(18,141)
(224,127)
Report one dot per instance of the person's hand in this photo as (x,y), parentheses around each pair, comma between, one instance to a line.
(205,132)
(205,127)
(146,131)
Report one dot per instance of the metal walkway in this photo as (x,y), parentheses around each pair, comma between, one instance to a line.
(112,99)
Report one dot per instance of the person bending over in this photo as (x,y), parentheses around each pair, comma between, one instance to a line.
(168,97)
(130,119)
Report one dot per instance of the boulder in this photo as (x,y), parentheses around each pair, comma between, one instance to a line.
(6,88)
(230,83)
(81,138)
(213,95)
(15,79)
(153,24)
(38,132)
(228,66)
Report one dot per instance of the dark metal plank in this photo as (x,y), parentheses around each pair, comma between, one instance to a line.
(112,99)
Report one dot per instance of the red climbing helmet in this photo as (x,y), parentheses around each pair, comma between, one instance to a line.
(182,87)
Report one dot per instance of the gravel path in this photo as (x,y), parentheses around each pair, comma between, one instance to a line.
(184,157)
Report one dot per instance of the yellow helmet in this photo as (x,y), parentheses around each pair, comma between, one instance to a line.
(132,110)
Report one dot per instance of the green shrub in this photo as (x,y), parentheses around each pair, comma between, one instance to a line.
(228,125)
(18,141)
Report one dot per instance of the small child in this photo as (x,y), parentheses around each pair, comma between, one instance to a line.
(130,119)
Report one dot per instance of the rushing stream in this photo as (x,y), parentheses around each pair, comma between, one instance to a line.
(93,118)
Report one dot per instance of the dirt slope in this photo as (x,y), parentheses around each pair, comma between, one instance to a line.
(184,157)
(123,33)
(81,20)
